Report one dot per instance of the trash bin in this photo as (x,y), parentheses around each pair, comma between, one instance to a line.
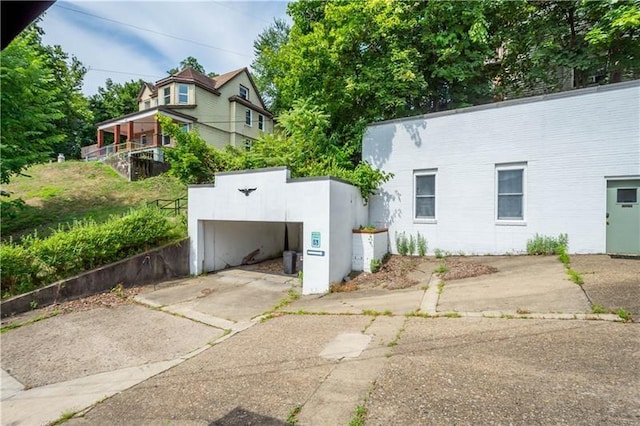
(289,260)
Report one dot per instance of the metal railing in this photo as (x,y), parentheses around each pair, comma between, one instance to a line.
(177,206)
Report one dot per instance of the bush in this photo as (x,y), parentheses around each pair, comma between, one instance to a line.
(547,245)
(402,244)
(18,270)
(80,247)
(375,265)
(422,245)
(412,245)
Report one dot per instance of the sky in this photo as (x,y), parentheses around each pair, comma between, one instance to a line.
(131,40)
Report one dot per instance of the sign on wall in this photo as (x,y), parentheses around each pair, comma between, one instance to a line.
(315,239)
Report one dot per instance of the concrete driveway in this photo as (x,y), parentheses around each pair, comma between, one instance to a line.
(196,352)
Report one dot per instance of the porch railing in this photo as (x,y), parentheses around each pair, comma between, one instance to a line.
(92,152)
(177,206)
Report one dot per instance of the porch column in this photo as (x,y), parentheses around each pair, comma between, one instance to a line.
(129,135)
(100,138)
(116,138)
(157,133)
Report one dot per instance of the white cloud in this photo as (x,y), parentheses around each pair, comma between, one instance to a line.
(221,34)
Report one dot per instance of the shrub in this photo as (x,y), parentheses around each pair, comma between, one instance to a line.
(82,246)
(18,270)
(422,245)
(402,244)
(547,245)
(412,245)
(375,265)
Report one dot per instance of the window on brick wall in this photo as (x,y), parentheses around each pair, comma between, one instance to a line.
(510,192)
(425,195)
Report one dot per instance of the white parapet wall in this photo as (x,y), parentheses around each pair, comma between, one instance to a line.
(367,246)
(249,210)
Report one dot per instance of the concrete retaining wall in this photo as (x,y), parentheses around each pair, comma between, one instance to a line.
(154,266)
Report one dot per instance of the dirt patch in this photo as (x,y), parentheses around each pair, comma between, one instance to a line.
(271,266)
(394,274)
(459,268)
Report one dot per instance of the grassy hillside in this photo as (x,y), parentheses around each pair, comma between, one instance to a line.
(59,193)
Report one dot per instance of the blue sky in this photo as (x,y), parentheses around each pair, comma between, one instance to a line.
(125,40)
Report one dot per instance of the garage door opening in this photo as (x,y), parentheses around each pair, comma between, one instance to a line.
(235,243)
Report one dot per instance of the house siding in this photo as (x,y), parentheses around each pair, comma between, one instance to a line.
(568,143)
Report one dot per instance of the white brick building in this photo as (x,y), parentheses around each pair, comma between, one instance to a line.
(487,178)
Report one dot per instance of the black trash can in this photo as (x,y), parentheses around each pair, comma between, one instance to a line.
(289,261)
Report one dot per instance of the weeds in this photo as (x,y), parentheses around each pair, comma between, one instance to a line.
(452,315)
(575,277)
(402,244)
(625,315)
(441,269)
(67,415)
(422,245)
(411,245)
(598,309)
(375,265)
(440,287)
(14,325)
(547,245)
(438,253)
(292,419)
(358,416)
(370,312)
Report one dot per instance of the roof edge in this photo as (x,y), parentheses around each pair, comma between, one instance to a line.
(512,102)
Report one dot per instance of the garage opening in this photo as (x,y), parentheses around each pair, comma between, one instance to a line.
(236,243)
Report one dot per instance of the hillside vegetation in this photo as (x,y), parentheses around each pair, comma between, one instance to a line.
(60,193)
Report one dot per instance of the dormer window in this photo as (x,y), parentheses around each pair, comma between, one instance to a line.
(167,95)
(244,92)
(183,94)
(147,104)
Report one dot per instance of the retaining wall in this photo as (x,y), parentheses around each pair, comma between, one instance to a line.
(153,266)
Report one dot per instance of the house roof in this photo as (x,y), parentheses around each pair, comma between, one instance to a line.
(159,109)
(189,75)
(152,88)
(223,79)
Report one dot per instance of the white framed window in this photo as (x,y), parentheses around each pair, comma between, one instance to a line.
(260,121)
(167,95)
(147,104)
(510,192)
(183,94)
(243,92)
(186,127)
(424,190)
(155,101)
(247,117)
(166,140)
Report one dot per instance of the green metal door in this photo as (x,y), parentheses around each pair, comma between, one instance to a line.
(623,216)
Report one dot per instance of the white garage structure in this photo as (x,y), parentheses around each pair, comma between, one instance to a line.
(248,210)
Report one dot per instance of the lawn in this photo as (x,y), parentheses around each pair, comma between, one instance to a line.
(59,193)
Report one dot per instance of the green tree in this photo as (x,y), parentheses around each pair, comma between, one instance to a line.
(112,101)
(32,102)
(265,69)
(363,62)
(548,46)
(190,62)
(69,73)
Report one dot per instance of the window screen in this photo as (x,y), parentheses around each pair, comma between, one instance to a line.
(510,194)
(425,197)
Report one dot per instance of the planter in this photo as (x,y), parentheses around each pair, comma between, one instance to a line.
(368,244)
